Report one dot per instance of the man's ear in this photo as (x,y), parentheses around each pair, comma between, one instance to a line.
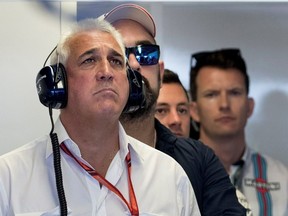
(251,105)
(161,69)
(194,111)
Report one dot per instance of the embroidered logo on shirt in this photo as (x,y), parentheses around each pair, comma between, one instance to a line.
(262,185)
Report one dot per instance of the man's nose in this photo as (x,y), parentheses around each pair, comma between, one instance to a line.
(224,101)
(174,117)
(105,73)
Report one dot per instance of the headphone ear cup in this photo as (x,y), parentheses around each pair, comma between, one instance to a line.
(51,84)
(136,99)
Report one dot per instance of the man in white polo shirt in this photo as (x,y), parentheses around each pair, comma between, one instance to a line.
(219,86)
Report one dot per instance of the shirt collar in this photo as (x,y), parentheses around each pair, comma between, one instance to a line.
(127,143)
(243,159)
(63,136)
(245,155)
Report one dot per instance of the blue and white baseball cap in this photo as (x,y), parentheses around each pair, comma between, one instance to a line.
(133,12)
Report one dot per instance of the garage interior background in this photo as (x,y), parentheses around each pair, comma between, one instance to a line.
(30,30)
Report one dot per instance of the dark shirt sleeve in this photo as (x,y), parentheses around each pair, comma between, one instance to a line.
(216,193)
(212,186)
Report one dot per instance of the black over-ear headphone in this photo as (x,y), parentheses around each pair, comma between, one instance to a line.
(137,96)
(51,83)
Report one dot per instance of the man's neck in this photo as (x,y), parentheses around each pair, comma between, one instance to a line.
(98,143)
(142,129)
(228,149)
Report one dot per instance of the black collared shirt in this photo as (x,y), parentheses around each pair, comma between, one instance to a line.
(212,186)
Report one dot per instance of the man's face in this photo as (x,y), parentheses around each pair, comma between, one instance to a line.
(173,109)
(134,34)
(222,106)
(97,79)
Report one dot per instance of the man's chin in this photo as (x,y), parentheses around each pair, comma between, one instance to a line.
(178,134)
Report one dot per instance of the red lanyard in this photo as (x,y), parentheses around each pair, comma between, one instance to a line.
(133,207)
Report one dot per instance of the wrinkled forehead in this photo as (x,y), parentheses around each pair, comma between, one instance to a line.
(94,39)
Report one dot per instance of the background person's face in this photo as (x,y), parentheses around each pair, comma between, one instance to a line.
(222,105)
(134,34)
(172,109)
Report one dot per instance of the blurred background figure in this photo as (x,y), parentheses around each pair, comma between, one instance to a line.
(219,86)
(173,111)
(173,106)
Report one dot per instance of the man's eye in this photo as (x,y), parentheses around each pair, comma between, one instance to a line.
(236,92)
(87,61)
(116,62)
(210,94)
(183,111)
(161,111)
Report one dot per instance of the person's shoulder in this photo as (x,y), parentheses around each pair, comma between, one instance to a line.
(183,150)
(148,153)
(197,145)
(194,147)
(23,159)
(167,141)
(275,164)
(26,151)
(188,151)
(144,148)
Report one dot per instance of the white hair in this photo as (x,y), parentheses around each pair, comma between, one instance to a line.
(60,55)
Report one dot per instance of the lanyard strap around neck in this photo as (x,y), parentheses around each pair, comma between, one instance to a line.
(133,207)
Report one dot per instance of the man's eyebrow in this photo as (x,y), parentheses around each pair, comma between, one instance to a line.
(143,42)
(183,103)
(89,52)
(237,88)
(113,52)
(210,90)
(162,104)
